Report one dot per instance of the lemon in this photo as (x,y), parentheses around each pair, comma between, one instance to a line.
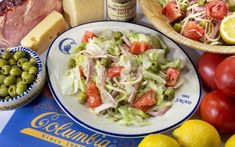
(230,142)
(197,133)
(227,29)
(158,140)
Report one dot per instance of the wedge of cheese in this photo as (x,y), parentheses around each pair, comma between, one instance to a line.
(45,32)
(83,11)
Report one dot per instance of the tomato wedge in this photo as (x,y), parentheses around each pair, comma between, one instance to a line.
(146,101)
(172,76)
(171,12)
(216,9)
(193,31)
(93,95)
(81,72)
(87,35)
(114,71)
(139,47)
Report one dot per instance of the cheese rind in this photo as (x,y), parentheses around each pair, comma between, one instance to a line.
(83,11)
(45,32)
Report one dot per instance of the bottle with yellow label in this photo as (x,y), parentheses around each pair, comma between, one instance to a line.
(121,10)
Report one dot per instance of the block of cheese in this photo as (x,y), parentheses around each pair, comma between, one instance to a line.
(83,11)
(45,32)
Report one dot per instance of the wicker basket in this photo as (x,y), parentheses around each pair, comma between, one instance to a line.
(152,10)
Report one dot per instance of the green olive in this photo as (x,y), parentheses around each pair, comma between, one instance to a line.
(106,61)
(33,61)
(3,86)
(169,93)
(26,66)
(33,70)
(7,97)
(203,24)
(177,27)
(71,63)
(19,80)
(27,78)
(82,97)
(155,67)
(117,35)
(18,55)
(21,61)
(9,80)
(6,69)
(6,55)
(2,77)
(12,61)
(12,91)
(15,71)
(20,88)
(3,92)
(3,62)
(201,3)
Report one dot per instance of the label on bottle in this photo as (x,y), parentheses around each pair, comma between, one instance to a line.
(122,10)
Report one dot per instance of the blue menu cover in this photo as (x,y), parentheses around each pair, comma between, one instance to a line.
(43,124)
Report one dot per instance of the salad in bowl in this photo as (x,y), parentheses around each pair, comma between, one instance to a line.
(207,21)
(122,83)
(124,77)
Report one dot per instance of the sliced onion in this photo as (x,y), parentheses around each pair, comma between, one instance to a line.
(90,69)
(133,94)
(126,40)
(160,112)
(103,76)
(137,84)
(108,96)
(103,107)
(215,30)
(199,9)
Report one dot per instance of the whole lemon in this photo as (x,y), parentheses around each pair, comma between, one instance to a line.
(230,142)
(158,140)
(197,133)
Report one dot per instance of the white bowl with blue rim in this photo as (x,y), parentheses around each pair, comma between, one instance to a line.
(33,90)
(186,101)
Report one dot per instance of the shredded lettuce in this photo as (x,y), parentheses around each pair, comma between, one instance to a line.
(157,55)
(138,37)
(177,63)
(132,116)
(72,82)
(149,75)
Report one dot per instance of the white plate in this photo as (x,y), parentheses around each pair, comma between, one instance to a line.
(185,103)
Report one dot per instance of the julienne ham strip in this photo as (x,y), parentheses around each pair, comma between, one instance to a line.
(19,17)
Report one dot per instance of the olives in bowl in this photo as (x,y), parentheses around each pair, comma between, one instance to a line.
(22,77)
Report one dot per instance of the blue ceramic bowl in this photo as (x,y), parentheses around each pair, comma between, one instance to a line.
(33,90)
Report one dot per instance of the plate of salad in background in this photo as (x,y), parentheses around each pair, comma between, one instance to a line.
(206,25)
(122,79)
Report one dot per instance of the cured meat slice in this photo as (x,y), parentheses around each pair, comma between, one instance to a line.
(18,17)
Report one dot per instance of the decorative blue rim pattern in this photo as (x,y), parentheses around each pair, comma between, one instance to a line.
(116,134)
(33,54)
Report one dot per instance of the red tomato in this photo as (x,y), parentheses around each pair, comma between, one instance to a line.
(206,67)
(172,76)
(146,101)
(219,111)
(81,72)
(93,96)
(114,71)
(216,9)
(193,31)
(171,12)
(139,47)
(225,76)
(88,35)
